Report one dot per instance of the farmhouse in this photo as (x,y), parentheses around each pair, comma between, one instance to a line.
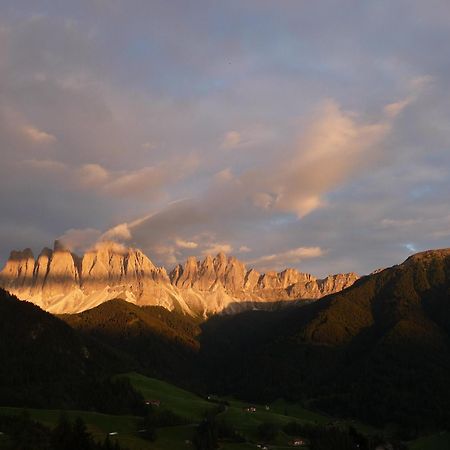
(153,402)
(250,409)
(297,442)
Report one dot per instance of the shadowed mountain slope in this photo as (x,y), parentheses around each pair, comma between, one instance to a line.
(379,350)
(45,363)
(161,343)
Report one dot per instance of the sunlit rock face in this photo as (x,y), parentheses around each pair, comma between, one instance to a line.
(18,271)
(61,282)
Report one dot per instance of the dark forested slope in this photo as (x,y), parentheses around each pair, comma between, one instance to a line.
(161,343)
(45,363)
(379,350)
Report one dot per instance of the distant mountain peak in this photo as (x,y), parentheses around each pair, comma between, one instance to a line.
(60,281)
(429,255)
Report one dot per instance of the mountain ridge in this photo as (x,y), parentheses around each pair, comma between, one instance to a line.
(61,282)
(379,350)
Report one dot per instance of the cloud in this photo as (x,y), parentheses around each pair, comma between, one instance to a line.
(137,126)
(114,246)
(395,108)
(80,239)
(46,165)
(37,136)
(411,247)
(334,148)
(185,244)
(217,247)
(93,175)
(231,140)
(119,233)
(284,259)
(252,136)
(224,175)
(145,181)
(167,254)
(417,86)
(149,145)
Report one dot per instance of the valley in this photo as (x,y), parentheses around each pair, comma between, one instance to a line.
(193,408)
(337,369)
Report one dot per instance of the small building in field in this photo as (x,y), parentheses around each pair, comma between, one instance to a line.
(297,442)
(250,409)
(153,402)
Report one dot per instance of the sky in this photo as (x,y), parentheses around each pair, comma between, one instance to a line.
(288,133)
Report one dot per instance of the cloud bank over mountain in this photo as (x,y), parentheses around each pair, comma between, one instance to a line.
(302,134)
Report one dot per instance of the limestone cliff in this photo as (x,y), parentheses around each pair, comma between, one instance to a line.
(61,282)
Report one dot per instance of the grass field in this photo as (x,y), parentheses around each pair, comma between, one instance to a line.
(439,441)
(189,405)
(181,402)
(193,407)
(98,424)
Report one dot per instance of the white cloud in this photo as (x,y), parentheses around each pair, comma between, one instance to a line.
(185,244)
(120,232)
(80,239)
(215,248)
(116,247)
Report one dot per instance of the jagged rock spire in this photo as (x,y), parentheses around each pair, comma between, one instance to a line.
(61,282)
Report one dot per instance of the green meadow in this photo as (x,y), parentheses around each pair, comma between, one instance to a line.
(192,408)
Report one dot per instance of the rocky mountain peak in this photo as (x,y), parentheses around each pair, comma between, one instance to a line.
(18,269)
(59,246)
(220,259)
(62,274)
(60,281)
(428,256)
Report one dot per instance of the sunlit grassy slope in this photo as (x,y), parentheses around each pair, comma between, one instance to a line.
(191,406)
(178,400)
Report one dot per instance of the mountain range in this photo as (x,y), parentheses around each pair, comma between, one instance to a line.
(378,350)
(61,282)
